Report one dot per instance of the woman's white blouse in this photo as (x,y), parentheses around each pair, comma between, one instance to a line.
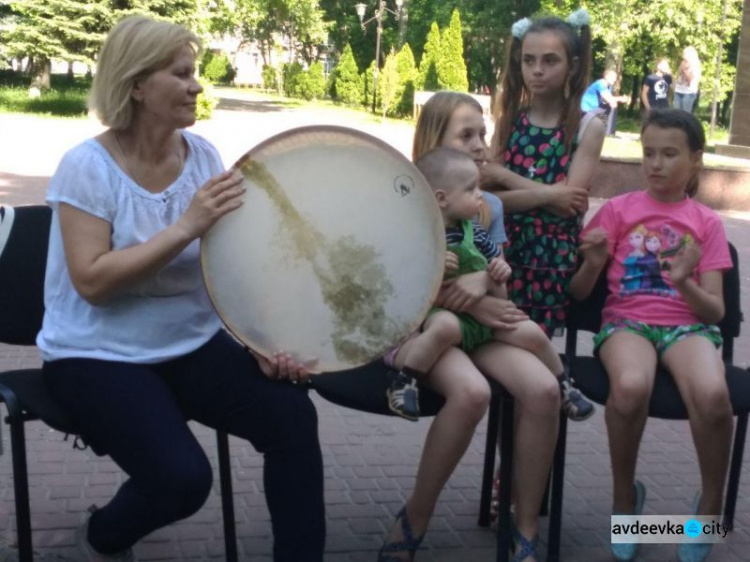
(164,317)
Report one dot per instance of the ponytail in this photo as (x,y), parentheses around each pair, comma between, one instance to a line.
(513,94)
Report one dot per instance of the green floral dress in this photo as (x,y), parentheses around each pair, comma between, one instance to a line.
(542,247)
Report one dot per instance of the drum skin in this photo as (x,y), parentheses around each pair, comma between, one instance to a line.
(336,254)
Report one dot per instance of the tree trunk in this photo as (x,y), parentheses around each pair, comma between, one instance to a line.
(41,72)
(71,76)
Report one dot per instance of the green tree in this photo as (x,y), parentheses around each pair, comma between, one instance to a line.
(428,77)
(346,80)
(43,30)
(292,75)
(407,76)
(367,85)
(312,84)
(634,33)
(451,67)
(388,84)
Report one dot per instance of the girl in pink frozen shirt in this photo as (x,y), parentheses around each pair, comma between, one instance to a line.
(669,321)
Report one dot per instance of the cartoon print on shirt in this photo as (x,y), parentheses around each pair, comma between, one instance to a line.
(652,251)
(651,262)
(631,279)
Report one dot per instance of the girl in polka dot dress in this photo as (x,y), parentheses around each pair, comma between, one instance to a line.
(545,156)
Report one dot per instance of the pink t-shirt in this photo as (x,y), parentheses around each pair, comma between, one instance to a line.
(643,236)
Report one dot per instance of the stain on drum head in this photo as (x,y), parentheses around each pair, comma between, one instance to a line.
(336,254)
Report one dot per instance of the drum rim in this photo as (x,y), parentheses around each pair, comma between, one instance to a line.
(305,129)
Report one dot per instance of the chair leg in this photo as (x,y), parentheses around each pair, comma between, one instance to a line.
(489,462)
(227,499)
(558,482)
(544,508)
(504,521)
(21,490)
(735,469)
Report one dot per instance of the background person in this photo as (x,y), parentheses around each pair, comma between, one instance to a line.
(131,344)
(655,91)
(688,80)
(598,97)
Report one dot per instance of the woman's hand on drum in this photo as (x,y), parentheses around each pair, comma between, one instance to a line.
(218,196)
(282,366)
(497,313)
(461,292)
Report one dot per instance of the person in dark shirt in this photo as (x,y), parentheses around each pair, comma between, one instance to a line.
(655,92)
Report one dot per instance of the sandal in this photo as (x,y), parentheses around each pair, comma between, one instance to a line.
(409,543)
(528,547)
(495,501)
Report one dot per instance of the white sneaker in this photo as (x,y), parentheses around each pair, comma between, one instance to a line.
(90,555)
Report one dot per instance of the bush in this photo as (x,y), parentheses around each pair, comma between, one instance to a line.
(207,100)
(216,68)
(312,84)
(271,78)
(291,75)
(347,84)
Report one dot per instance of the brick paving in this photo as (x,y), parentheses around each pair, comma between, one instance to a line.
(370,461)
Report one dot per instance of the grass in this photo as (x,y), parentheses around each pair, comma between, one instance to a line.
(65,98)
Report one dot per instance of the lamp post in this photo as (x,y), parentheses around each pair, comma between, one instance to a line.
(378,17)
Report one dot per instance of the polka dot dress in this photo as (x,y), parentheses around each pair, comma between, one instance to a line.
(542,247)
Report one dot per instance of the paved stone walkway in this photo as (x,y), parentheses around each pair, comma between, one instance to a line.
(370,461)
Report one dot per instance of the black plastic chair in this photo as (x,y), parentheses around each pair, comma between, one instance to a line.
(24,234)
(666,403)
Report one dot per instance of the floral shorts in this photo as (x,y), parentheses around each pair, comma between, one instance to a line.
(662,337)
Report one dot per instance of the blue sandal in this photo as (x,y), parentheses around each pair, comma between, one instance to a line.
(409,544)
(528,547)
(625,552)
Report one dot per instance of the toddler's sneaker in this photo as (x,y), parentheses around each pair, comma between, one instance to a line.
(574,404)
(403,396)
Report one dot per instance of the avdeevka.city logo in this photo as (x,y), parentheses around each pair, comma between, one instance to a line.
(673,529)
(693,528)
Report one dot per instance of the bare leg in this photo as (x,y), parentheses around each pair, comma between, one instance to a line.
(529,336)
(467,397)
(630,361)
(698,372)
(537,397)
(441,331)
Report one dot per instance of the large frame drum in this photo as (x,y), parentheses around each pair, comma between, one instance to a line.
(336,254)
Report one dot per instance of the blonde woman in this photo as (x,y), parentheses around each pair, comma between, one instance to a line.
(688,80)
(132,347)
